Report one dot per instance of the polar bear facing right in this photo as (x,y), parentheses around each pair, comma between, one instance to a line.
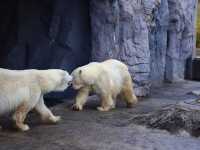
(23,90)
(108,79)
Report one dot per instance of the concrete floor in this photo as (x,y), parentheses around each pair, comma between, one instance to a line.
(93,130)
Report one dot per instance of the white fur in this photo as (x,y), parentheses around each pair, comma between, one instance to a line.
(108,79)
(23,90)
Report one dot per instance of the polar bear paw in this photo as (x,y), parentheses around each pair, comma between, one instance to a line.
(23,127)
(77,107)
(55,119)
(51,119)
(103,108)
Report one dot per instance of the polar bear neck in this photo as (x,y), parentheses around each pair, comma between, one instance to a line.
(47,81)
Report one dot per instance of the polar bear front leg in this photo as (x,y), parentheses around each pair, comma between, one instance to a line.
(81,98)
(20,115)
(107,103)
(46,114)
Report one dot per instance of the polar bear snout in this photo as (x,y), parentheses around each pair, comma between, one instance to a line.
(70,78)
(64,82)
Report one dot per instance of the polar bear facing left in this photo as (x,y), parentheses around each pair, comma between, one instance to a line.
(108,79)
(22,91)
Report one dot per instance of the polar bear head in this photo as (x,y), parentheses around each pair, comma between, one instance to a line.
(85,75)
(64,80)
(78,80)
(54,80)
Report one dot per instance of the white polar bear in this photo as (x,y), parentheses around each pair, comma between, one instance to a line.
(107,79)
(23,90)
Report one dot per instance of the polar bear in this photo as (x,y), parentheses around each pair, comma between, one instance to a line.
(23,90)
(108,79)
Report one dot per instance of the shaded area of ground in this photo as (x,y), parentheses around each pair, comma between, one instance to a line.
(93,130)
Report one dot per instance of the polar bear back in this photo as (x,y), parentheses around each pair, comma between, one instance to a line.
(113,70)
(117,71)
(14,88)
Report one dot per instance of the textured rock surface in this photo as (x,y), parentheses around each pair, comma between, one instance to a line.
(158,42)
(153,37)
(114,130)
(44,34)
(122,33)
(180,37)
(183,116)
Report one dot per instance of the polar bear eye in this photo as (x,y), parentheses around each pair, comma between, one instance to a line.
(80,71)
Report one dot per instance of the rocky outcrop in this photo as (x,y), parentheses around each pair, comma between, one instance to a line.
(158,42)
(181,37)
(44,34)
(119,30)
(153,37)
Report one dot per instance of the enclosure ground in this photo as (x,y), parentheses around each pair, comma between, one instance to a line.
(114,130)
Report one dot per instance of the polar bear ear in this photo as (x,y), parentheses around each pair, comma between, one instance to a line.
(86,77)
(80,73)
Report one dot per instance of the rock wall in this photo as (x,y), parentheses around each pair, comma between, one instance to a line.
(153,37)
(44,34)
(119,31)
(181,37)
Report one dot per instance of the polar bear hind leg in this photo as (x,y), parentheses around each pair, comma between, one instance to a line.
(20,115)
(127,93)
(107,103)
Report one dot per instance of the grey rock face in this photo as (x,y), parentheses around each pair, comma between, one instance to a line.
(158,43)
(45,34)
(153,37)
(122,34)
(180,37)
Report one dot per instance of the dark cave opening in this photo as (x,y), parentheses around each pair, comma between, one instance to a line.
(45,34)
